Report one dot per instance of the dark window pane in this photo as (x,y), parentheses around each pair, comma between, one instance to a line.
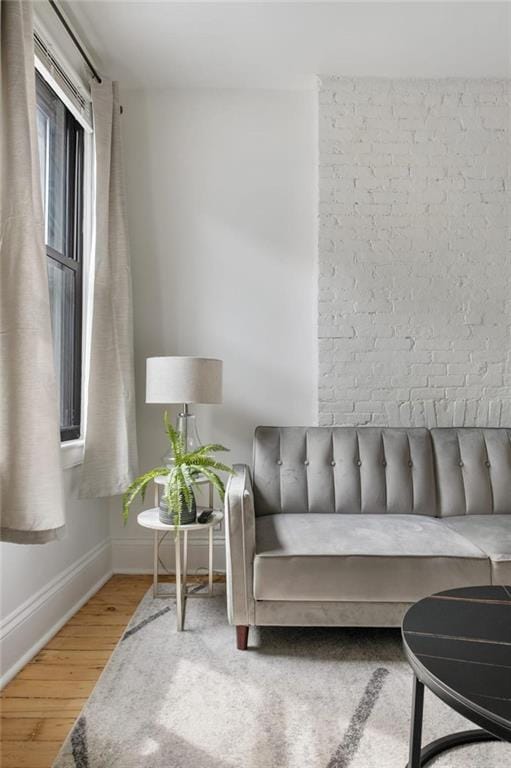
(60,144)
(62,282)
(51,130)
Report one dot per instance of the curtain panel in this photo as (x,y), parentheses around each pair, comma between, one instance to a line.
(31,493)
(110,456)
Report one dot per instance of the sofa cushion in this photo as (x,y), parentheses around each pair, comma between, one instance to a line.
(492,534)
(473,470)
(348,470)
(330,557)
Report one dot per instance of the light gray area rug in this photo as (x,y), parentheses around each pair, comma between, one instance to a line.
(298,698)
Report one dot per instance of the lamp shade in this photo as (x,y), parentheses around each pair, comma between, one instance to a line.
(183,380)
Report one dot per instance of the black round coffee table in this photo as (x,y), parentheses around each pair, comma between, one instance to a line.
(458,644)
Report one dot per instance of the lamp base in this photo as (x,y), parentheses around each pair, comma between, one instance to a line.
(186,426)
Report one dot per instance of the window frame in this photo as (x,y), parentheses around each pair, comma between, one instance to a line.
(78,236)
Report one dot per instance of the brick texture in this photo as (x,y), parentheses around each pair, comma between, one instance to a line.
(414,298)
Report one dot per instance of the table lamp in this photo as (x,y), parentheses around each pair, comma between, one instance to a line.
(185,380)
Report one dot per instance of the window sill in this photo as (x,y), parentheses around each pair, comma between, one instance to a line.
(71,453)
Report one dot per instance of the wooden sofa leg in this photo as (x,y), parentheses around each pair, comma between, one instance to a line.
(241,637)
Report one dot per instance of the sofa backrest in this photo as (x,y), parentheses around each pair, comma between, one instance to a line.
(473,470)
(366,470)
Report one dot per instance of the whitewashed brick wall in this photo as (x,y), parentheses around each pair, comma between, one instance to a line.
(414,252)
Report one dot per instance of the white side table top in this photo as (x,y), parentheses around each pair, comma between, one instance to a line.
(150,518)
(162,479)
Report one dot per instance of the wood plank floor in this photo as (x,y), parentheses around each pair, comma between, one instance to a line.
(41,703)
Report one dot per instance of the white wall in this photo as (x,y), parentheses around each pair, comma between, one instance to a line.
(415,270)
(42,585)
(221,197)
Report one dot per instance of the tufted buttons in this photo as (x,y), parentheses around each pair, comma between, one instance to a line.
(461,463)
(358,463)
(279,462)
(332,463)
(306,462)
(487,463)
(384,463)
(410,463)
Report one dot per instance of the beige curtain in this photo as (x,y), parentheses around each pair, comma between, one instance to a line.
(31,496)
(110,460)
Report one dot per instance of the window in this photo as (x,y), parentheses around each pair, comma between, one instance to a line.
(61,143)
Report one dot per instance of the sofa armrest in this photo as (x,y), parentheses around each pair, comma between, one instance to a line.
(240,546)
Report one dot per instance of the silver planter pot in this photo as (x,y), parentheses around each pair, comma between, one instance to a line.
(188,514)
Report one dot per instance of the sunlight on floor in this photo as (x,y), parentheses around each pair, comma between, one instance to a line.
(149,747)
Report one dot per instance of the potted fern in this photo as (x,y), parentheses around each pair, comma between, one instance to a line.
(178,505)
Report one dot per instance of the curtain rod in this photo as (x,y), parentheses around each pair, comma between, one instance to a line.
(74,39)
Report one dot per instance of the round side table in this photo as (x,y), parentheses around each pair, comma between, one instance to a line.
(458,644)
(150,519)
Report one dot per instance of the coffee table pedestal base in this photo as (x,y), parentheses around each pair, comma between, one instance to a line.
(420,757)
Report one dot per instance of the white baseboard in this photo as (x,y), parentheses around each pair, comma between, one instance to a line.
(135,555)
(31,625)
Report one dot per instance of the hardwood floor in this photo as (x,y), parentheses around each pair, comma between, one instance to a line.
(40,704)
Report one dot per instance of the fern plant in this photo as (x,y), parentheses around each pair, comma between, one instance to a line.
(182,475)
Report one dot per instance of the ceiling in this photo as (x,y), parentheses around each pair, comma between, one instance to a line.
(283,45)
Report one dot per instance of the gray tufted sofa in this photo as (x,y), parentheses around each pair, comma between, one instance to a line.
(348,526)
